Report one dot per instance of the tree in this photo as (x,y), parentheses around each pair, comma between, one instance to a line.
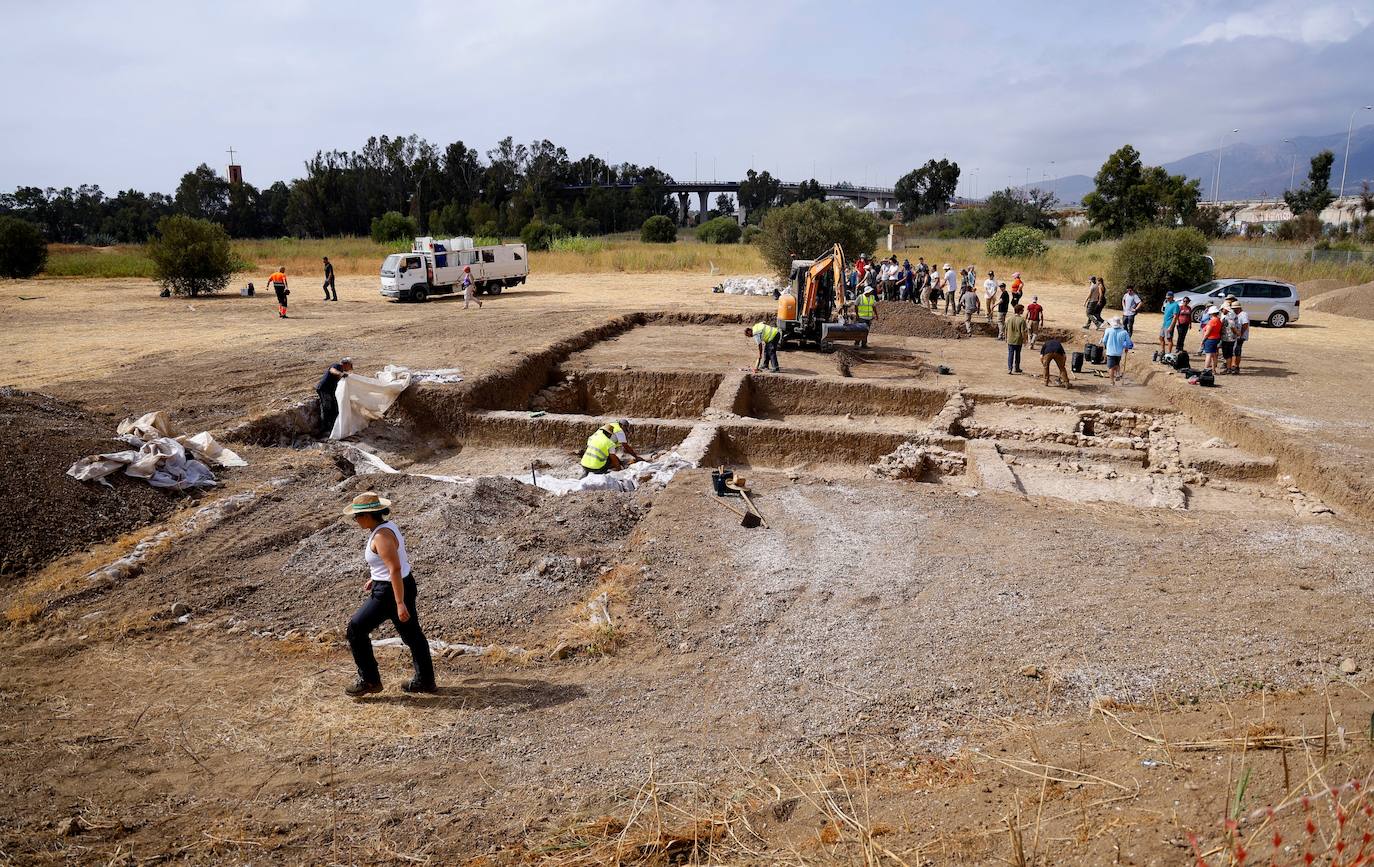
(392,226)
(1118,203)
(23,252)
(203,194)
(1173,199)
(1315,193)
(538,236)
(658,229)
(808,229)
(725,204)
(1156,261)
(191,256)
(927,190)
(1031,207)
(758,192)
(1213,221)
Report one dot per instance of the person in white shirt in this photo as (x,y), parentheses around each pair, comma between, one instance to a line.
(1130,305)
(1242,332)
(990,294)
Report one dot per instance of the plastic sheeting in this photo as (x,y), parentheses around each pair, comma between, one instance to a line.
(658,471)
(159,453)
(364,399)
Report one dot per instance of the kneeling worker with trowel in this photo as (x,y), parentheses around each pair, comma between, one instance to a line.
(604,447)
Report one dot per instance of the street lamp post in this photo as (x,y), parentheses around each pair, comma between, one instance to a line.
(1349,129)
(1216,182)
(1292,168)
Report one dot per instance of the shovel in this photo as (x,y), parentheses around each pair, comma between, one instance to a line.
(754,509)
(747,519)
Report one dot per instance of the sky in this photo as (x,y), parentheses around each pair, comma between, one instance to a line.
(134,94)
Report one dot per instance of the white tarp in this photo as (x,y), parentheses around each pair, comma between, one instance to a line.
(159,453)
(364,399)
(658,471)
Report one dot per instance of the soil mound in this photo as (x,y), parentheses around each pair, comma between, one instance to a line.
(904,319)
(52,514)
(1314,288)
(1354,301)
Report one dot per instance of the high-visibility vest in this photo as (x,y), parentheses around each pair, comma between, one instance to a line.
(763,328)
(599,448)
(866,306)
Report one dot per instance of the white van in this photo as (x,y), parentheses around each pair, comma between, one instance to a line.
(435,267)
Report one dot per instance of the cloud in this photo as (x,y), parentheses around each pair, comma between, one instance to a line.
(1315,24)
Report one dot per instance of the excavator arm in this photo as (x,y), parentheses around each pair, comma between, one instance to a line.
(833,261)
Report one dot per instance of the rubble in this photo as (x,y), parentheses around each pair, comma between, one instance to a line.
(912,461)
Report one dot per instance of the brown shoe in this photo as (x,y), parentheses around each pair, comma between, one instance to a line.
(361,687)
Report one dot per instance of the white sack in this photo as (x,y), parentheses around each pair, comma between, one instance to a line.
(364,399)
(658,472)
(159,453)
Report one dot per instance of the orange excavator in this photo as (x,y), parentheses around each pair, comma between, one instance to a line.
(813,307)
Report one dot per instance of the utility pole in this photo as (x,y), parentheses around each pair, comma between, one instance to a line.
(1293,166)
(1216,180)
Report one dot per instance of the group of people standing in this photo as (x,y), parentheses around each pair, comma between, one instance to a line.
(1224,331)
(921,284)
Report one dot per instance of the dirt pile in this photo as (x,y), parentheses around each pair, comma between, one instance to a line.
(904,319)
(1354,301)
(52,514)
(1313,288)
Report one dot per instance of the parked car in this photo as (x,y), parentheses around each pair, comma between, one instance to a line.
(1267,301)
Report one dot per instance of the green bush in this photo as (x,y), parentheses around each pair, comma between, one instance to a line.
(191,256)
(1091,236)
(489,230)
(1017,242)
(1156,261)
(538,235)
(721,230)
(23,252)
(658,229)
(751,234)
(392,226)
(1303,227)
(808,229)
(580,244)
(1254,231)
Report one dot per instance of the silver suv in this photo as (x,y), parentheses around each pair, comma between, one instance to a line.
(1267,301)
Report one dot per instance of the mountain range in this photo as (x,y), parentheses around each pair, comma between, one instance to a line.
(1255,171)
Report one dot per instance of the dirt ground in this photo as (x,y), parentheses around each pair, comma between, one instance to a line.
(1081,626)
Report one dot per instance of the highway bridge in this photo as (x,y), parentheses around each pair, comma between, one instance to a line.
(860,196)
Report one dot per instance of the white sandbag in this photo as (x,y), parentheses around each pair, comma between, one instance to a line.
(159,454)
(364,399)
(656,472)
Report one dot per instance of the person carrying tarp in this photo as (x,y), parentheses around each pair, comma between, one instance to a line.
(768,337)
(327,389)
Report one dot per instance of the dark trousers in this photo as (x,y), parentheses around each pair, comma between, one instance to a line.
(1014,357)
(379,608)
(1128,322)
(330,293)
(1180,332)
(770,353)
(329,410)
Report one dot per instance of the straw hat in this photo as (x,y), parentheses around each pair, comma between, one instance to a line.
(367,501)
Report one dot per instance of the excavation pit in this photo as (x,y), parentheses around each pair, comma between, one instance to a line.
(618,393)
(780,398)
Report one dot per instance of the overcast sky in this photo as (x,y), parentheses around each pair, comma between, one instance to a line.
(135,93)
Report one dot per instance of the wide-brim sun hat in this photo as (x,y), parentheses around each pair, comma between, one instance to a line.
(1016,274)
(367,501)
(1211,310)
(1114,322)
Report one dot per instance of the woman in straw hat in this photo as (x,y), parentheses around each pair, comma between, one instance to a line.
(391,596)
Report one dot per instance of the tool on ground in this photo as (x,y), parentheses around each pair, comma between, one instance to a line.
(750,500)
(747,519)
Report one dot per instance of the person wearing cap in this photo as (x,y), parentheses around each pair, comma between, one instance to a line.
(1242,328)
(468,287)
(866,308)
(1229,330)
(330,292)
(1211,338)
(1052,352)
(768,338)
(327,389)
(620,432)
(1016,338)
(278,283)
(1130,305)
(1166,328)
(1018,288)
(1035,317)
(968,303)
(391,595)
(951,287)
(1116,342)
(1003,305)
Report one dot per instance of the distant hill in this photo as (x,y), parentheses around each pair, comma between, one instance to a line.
(1253,171)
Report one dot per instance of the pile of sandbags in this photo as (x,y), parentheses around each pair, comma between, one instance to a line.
(159,453)
(749,286)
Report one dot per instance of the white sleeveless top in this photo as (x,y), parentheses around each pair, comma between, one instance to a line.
(376,564)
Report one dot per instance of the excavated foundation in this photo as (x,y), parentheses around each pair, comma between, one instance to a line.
(540,412)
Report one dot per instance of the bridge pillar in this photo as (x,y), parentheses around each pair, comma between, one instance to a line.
(682,208)
(704,196)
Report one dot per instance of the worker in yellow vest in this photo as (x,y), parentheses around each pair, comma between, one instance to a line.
(601,455)
(867,307)
(620,432)
(768,338)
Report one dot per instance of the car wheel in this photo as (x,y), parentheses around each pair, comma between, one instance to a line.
(1278,319)
(494,290)
(1199,314)
(419,295)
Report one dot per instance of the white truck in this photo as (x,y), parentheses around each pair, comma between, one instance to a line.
(435,267)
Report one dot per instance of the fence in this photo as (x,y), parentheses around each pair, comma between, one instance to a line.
(1294,255)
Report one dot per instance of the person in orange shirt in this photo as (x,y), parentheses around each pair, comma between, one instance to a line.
(1018,288)
(1211,338)
(278,283)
